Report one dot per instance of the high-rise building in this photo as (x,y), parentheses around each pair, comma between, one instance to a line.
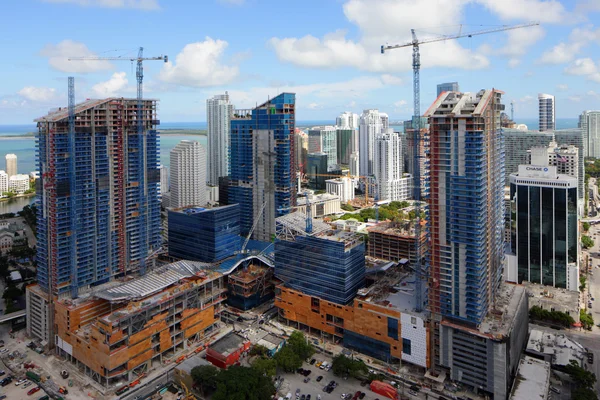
(329,265)
(385,122)
(589,122)
(324,139)
(301,148)
(342,187)
(391,183)
(164,179)
(564,157)
(467,193)
(316,165)
(345,137)
(99,213)
(547,112)
(369,128)
(517,144)
(11,164)
(479,348)
(544,228)
(3,182)
(574,137)
(263,165)
(204,234)
(188,175)
(218,115)
(408,151)
(354,164)
(347,120)
(447,87)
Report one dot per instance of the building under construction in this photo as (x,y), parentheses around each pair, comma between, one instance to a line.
(251,285)
(394,241)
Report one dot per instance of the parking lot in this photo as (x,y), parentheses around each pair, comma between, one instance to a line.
(295,381)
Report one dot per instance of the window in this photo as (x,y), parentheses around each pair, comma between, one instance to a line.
(329,318)
(413,320)
(393,328)
(406,346)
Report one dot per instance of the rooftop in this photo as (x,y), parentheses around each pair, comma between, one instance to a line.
(549,298)
(396,288)
(228,344)
(62,113)
(270,341)
(296,221)
(192,362)
(533,380)
(400,229)
(350,239)
(557,347)
(500,319)
(192,210)
(317,198)
(156,281)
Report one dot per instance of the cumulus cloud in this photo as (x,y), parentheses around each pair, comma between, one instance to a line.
(200,64)
(565,52)
(584,67)
(562,87)
(378,23)
(112,87)
(514,62)
(311,93)
(58,57)
(37,94)
(138,4)
(391,80)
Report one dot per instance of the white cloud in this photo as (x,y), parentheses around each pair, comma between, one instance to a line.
(400,103)
(575,99)
(58,57)
(551,11)
(526,99)
(38,94)
(311,93)
(562,87)
(138,4)
(313,106)
(514,62)
(520,40)
(233,2)
(384,22)
(584,67)
(566,51)
(391,80)
(117,82)
(199,65)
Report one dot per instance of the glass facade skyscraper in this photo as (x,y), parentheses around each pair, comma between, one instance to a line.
(330,266)
(204,234)
(262,163)
(98,194)
(447,87)
(544,227)
(466,204)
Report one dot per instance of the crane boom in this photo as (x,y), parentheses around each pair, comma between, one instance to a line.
(458,36)
(421,258)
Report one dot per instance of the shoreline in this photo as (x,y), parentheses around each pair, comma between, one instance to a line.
(198,132)
(19,196)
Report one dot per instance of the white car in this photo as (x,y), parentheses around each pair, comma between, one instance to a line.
(20,381)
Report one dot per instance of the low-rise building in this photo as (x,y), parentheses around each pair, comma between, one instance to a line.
(533,380)
(19,183)
(227,351)
(394,240)
(183,371)
(3,183)
(272,343)
(556,349)
(341,187)
(321,204)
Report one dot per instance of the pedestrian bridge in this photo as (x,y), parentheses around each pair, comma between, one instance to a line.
(11,316)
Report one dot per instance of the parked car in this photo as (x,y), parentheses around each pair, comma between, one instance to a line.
(319,378)
(34,390)
(122,390)
(313,361)
(306,379)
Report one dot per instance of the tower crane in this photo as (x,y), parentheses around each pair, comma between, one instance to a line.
(416,65)
(139,75)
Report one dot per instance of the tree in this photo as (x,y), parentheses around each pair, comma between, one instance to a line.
(581,376)
(586,226)
(582,280)
(584,393)
(347,207)
(206,377)
(342,365)
(243,383)
(302,347)
(259,350)
(586,319)
(287,359)
(266,366)
(11,293)
(557,317)
(587,242)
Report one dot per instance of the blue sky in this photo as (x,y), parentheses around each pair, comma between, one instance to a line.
(327,51)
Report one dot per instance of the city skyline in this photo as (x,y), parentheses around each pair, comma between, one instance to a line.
(333,67)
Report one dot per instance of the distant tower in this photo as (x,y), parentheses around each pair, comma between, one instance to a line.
(512,110)
(447,87)
(188,175)
(547,112)
(371,126)
(11,164)
(218,115)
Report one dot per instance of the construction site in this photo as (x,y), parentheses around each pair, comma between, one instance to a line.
(395,240)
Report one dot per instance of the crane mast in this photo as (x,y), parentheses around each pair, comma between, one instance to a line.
(416,124)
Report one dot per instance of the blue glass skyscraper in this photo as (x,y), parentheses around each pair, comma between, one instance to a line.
(263,167)
(466,204)
(98,194)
